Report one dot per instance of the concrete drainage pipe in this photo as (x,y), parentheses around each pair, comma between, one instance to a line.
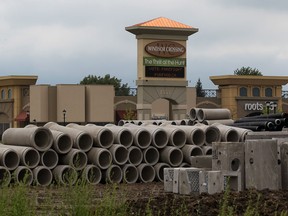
(191,150)
(159,169)
(194,135)
(9,158)
(23,175)
(146,173)
(213,114)
(42,176)
(92,174)
(141,137)
(212,133)
(193,113)
(207,150)
(135,155)
(221,121)
(113,174)
(102,136)
(119,154)
(76,158)
(151,155)
(100,157)
(159,136)
(121,135)
(65,175)
(242,133)
(81,139)
(49,159)
(130,173)
(177,137)
(228,134)
(171,155)
(37,137)
(29,156)
(5,176)
(62,143)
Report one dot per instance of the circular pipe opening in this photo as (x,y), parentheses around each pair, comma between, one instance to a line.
(135,155)
(104,159)
(43,177)
(120,155)
(126,138)
(232,136)
(49,159)
(176,157)
(43,139)
(84,142)
(106,138)
(147,173)
(11,160)
(114,174)
(178,138)
(130,174)
(93,174)
(5,177)
(144,138)
(160,139)
(212,135)
(31,158)
(64,144)
(79,160)
(151,155)
(198,137)
(68,175)
(24,175)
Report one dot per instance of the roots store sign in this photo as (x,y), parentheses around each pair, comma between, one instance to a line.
(165,62)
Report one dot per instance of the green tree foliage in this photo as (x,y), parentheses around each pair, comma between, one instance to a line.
(120,89)
(199,90)
(248,71)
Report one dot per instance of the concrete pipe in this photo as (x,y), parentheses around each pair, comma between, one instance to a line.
(113,174)
(65,175)
(121,122)
(42,176)
(100,157)
(242,132)
(193,113)
(76,158)
(49,159)
(194,135)
(5,177)
(159,135)
(190,150)
(121,135)
(29,156)
(151,155)
(130,173)
(221,121)
(184,164)
(9,158)
(135,155)
(171,155)
(62,143)
(212,133)
(23,175)
(119,154)
(92,174)
(228,133)
(81,140)
(176,136)
(141,137)
(213,114)
(146,173)
(102,137)
(159,171)
(207,150)
(39,138)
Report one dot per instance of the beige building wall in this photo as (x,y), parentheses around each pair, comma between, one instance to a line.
(191,98)
(39,103)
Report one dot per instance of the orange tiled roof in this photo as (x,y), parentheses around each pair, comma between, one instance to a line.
(164,23)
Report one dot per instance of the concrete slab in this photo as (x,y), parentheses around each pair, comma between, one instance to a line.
(201,161)
(210,182)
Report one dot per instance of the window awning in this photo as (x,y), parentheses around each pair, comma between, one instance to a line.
(22,116)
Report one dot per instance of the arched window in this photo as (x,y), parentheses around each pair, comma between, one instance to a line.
(9,93)
(256,92)
(2,94)
(268,92)
(243,91)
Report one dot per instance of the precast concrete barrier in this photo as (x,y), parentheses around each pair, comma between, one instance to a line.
(194,135)
(5,176)
(130,173)
(65,175)
(113,174)
(228,133)
(159,136)
(193,113)
(121,135)
(29,156)
(81,140)
(76,158)
(146,173)
(221,121)
(141,137)
(92,174)
(42,176)
(102,136)
(49,159)
(100,157)
(135,155)
(9,158)
(171,155)
(176,136)
(23,175)
(62,143)
(119,154)
(212,133)
(39,138)
(190,150)
(150,155)
(159,171)
(207,150)
(213,114)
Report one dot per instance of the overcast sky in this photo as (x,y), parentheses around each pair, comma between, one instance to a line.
(62,41)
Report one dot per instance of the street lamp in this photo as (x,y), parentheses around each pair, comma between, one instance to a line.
(268,103)
(64,116)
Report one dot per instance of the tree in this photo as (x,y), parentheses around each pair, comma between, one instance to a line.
(120,89)
(248,71)
(199,90)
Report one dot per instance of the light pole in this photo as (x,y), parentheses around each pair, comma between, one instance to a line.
(268,103)
(64,116)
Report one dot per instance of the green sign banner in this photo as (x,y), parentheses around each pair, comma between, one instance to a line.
(166,62)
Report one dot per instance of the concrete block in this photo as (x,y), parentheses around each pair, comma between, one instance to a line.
(210,182)
(168,179)
(261,164)
(266,134)
(176,183)
(201,161)
(233,179)
(189,181)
